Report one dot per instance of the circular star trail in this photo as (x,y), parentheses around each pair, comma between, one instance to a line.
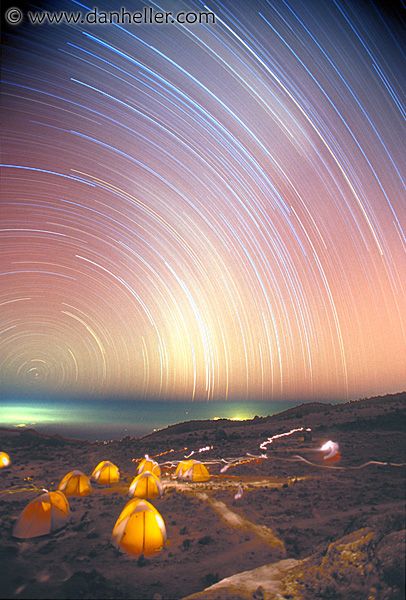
(205,211)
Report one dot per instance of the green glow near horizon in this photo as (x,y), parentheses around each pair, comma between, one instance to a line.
(19,416)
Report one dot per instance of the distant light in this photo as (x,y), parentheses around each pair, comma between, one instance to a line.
(328,446)
(281,435)
(236,418)
(12,415)
(332,449)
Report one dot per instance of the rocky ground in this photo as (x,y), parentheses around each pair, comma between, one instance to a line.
(299,531)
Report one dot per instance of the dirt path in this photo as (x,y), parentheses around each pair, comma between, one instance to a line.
(235,521)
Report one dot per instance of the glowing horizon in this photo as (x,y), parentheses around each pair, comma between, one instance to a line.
(208,211)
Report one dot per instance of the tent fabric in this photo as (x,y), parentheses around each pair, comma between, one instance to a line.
(192,470)
(182,466)
(147,464)
(146,485)
(43,515)
(106,473)
(5,460)
(75,483)
(139,529)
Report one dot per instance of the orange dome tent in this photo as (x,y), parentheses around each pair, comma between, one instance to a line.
(75,483)
(140,529)
(145,485)
(106,473)
(194,470)
(5,460)
(43,515)
(147,464)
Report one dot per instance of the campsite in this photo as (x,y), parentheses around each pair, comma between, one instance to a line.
(290,528)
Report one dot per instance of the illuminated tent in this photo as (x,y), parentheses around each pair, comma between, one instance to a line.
(5,460)
(43,515)
(192,470)
(75,483)
(139,529)
(106,472)
(147,464)
(145,485)
(182,466)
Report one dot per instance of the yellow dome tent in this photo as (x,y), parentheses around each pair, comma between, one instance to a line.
(140,529)
(182,467)
(106,472)
(43,515)
(193,470)
(147,464)
(145,485)
(5,460)
(75,483)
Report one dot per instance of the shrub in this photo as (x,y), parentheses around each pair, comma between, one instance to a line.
(210,579)
(206,539)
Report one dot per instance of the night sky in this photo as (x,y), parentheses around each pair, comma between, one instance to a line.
(205,212)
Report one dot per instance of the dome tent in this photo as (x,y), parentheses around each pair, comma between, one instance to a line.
(5,460)
(193,470)
(182,467)
(145,485)
(106,473)
(75,483)
(42,515)
(140,529)
(147,464)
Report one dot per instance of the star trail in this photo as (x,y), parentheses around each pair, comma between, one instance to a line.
(208,211)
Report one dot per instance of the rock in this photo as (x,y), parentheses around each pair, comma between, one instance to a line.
(390,553)
(348,569)
(244,585)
